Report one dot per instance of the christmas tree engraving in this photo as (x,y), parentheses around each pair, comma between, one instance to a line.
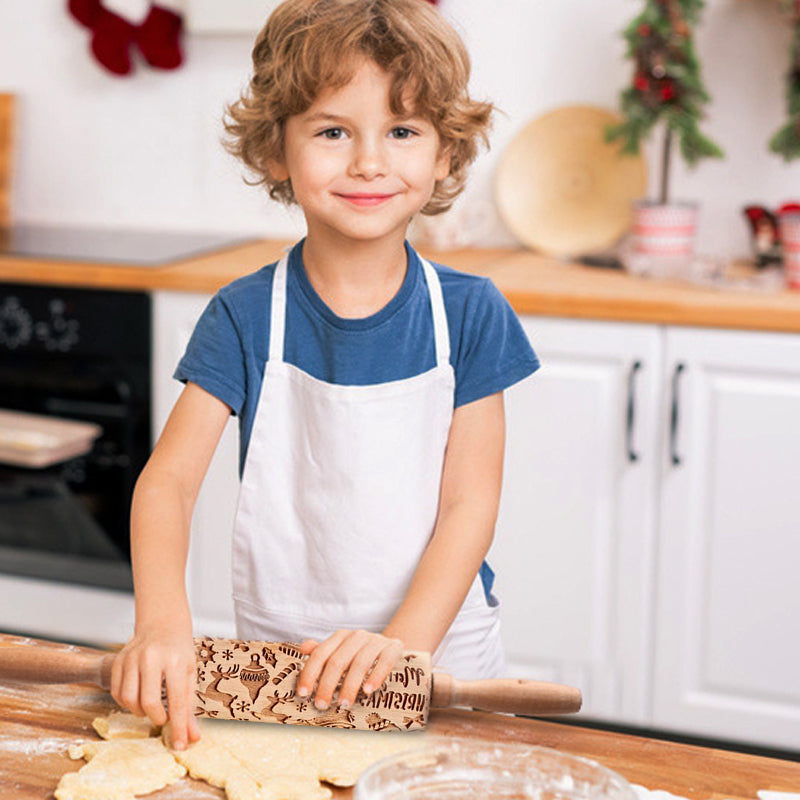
(667,86)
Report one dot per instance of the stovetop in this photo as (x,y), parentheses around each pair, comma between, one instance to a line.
(123,247)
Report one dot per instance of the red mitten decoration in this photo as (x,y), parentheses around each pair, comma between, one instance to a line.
(85,11)
(112,37)
(159,38)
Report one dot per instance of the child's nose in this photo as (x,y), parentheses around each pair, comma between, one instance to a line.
(369,159)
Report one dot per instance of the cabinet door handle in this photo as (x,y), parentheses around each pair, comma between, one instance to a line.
(631,411)
(674,416)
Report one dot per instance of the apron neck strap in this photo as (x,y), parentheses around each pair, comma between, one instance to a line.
(278,312)
(440,329)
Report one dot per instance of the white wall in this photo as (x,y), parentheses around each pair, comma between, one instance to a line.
(94,149)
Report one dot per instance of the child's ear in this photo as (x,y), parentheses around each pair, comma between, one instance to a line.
(277,170)
(442,167)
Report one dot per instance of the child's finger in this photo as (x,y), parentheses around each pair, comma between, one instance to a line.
(337,663)
(194,727)
(178,702)
(308,646)
(128,694)
(312,669)
(386,662)
(117,675)
(150,693)
(359,667)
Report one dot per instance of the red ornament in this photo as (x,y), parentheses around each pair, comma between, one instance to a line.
(667,92)
(641,83)
(643,30)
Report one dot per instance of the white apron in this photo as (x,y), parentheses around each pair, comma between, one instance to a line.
(338,501)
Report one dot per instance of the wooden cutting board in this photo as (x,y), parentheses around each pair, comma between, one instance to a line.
(6,156)
(37,725)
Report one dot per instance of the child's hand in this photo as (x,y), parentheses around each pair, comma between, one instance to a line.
(163,655)
(364,660)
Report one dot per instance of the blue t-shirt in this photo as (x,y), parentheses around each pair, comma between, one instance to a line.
(489,350)
(226,354)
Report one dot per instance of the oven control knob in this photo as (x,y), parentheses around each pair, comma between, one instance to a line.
(59,332)
(16,324)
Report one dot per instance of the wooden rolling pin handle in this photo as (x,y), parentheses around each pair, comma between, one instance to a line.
(32,664)
(534,698)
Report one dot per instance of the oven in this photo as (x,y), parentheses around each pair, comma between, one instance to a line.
(82,355)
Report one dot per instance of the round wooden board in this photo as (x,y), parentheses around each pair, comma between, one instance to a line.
(562,189)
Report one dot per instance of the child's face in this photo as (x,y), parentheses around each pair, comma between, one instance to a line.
(356,169)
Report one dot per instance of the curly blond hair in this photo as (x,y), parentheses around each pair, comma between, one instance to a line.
(307,46)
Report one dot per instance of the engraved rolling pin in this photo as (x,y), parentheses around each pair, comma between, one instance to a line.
(250,680)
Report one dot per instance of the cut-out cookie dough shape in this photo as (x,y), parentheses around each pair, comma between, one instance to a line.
(253,761)
(119,769)
(121,725)
(249,760)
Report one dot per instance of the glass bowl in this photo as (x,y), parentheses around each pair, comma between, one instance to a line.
(461,769)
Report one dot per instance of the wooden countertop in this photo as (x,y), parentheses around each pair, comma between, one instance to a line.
(38,724)
(533,284)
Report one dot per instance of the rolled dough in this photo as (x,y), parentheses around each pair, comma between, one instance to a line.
(119,769)
(257,761)
(249,760)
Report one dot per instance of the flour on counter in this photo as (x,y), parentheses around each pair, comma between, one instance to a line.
(35,747)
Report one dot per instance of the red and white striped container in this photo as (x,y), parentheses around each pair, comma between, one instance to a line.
(664,231)
(789,228)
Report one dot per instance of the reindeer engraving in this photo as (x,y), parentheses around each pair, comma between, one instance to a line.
(268,710)
(212,691)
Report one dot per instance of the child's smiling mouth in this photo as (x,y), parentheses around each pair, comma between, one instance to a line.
(365,199)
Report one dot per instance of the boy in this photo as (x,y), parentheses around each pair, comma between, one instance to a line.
(368,382)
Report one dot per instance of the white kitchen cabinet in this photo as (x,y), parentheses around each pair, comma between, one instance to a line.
(665,587)
(208,573)
(727,658)
(574,545)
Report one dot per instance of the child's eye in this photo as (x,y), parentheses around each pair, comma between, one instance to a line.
(403,133)
(332,133)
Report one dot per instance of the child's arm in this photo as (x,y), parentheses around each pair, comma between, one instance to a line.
(161,647)
(468,503)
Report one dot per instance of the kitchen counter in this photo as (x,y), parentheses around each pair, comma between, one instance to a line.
(38,724)
(533,284)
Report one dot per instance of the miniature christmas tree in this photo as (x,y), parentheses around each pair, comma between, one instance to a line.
(667,86)
(786,142)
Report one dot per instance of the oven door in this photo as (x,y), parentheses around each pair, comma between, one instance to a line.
(46,533)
